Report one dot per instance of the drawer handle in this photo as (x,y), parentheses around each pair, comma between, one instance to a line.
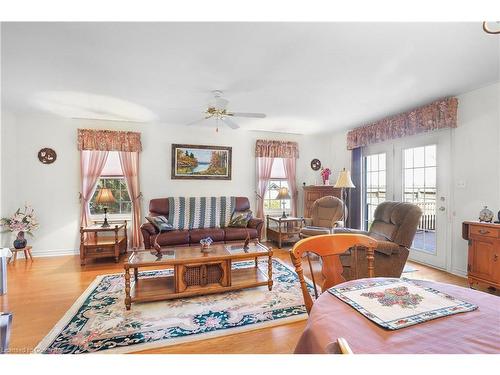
(484,231)
(99,250)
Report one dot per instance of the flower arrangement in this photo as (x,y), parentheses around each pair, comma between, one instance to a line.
(325,174)
(21,221)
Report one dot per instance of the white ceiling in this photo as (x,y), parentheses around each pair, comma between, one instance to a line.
(307,77)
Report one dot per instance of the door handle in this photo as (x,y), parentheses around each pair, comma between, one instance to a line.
(495,258)
(442,208)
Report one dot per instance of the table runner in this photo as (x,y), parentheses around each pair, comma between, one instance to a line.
(399,303)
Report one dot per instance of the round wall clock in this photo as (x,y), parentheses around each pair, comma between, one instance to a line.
(47,155)
(315,164)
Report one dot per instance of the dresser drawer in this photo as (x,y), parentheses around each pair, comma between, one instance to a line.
(478,230)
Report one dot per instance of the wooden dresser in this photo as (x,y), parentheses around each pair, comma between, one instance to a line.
(484,253)
(313,192)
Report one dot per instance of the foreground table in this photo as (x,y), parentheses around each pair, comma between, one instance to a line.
(196,273)
(471,332)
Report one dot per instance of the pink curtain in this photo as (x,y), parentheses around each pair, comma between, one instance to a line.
(264,168)
(130,166)
(91,165)
(290,172)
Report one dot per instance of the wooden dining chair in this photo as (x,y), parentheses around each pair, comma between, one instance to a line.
(329,247)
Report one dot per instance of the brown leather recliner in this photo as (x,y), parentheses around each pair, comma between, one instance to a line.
(159,207)
(394,227)
(326,213)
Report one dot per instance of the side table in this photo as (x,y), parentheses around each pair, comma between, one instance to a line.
(27,254)
(93,246)
(283,229)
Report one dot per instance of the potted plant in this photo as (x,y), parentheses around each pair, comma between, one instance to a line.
(21,222)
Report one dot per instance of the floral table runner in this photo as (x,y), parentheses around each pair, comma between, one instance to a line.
(399,303)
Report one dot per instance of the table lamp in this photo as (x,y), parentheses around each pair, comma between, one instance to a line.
(105,197)
(282,195)
(344,182)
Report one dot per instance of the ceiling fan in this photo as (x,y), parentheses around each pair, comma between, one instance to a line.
(217,110)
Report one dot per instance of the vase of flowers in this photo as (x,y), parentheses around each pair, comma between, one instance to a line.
(325,175)
(21,222)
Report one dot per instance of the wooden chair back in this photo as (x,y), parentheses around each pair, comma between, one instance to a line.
(329,247)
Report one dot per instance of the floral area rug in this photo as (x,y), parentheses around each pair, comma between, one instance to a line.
(99,323)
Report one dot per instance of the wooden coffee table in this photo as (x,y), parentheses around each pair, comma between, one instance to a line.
(196,273)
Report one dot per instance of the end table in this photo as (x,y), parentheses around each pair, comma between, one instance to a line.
(93,246)
(283,229)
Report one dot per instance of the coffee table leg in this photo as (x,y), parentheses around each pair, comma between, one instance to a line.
(127,289)
(270,272)
(136,274)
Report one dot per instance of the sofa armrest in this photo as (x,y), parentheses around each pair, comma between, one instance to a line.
(256,223)
(148,230)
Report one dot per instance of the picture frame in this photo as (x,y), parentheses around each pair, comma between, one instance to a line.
(201,162)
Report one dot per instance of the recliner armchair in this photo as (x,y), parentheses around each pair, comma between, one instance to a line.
(394,227)
(326,213)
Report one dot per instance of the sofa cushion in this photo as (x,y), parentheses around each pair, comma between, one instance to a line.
(160,222)
(174,237)
(311,231)
(216,234)
(240,219)
(235,234)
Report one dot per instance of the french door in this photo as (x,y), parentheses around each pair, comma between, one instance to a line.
(416,170)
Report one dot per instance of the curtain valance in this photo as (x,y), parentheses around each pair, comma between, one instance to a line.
(437,115)
(276,149)
(109,140)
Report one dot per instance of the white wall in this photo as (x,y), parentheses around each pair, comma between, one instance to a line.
(53,189)
(476,163)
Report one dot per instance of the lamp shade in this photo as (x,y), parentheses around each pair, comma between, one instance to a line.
(105,196)
(344,180)
(283,194)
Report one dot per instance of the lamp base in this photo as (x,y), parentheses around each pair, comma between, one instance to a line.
(284,216)
(105,224)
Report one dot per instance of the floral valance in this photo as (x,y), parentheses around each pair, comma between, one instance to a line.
(437,115)
(109,140)
(276,149)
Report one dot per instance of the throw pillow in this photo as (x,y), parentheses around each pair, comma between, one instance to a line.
(160,223)
(240,219)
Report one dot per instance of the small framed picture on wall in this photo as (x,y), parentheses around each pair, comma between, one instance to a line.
(200,162)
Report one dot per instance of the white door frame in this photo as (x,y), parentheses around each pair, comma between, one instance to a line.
(394,158)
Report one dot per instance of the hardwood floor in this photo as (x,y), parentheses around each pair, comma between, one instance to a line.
(40,292)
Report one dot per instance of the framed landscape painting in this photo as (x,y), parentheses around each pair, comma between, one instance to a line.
(201,162)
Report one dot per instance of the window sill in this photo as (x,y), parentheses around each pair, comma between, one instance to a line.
(111,218)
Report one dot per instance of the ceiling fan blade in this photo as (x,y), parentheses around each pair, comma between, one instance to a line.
(198,121)
(230,123)
(242,114)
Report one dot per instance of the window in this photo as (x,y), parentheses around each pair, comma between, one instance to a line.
(277,181)
(419,187)
(375,185)
(112,178)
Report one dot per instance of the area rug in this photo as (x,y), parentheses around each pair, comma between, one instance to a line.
(98,322)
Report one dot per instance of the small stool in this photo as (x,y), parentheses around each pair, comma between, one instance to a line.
(27,253)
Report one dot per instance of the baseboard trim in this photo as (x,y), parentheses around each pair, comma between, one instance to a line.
(52,253)
(453,271)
